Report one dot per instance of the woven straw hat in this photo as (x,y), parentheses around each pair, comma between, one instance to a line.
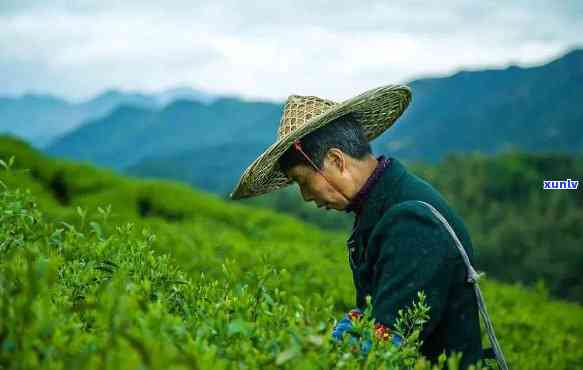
(376,110)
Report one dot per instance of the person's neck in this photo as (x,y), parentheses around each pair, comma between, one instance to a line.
(363,170)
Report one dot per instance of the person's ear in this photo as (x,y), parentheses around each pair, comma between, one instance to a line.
(336,159)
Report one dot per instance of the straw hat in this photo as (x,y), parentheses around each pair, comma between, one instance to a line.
(375,110)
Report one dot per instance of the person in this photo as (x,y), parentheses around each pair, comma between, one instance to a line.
(397,246)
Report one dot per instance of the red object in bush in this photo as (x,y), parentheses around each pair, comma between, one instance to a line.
(355,314)
(382,332)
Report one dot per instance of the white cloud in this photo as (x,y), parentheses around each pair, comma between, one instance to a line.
(269,49)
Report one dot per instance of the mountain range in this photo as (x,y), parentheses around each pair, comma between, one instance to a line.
(130,134)
(42,118)
(537,109)
(208,143)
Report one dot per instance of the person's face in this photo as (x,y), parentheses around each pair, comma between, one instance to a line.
(314,187)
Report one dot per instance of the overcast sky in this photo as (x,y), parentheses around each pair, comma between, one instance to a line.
(269,49)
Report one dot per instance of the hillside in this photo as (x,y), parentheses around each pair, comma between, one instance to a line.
(97,292)
(222,161)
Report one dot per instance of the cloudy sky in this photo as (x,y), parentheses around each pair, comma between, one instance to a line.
(269,49)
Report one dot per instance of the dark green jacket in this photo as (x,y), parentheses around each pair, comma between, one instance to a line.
(399,247)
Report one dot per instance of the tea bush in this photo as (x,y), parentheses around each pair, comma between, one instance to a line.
(74,299)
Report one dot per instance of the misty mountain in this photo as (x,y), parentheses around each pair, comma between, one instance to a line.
(41,119)
(37,118)
(537,109)
(128,135)
(183,93)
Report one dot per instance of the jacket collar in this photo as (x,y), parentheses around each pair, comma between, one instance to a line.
(361,196)
(382,196)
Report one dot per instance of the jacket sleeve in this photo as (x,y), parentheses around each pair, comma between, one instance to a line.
(412,253)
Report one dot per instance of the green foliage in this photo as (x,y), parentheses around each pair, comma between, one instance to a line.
(409,325)
(107,286)
(85,300)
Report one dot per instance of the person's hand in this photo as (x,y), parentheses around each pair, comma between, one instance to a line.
(345,324)
(382,333)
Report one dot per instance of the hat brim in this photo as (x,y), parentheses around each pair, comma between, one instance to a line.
(375,110)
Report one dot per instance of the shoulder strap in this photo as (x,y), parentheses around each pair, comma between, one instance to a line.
(473,278)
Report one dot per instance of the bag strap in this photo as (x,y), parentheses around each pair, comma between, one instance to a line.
(473,278)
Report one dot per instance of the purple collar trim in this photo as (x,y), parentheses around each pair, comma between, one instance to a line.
(357,203)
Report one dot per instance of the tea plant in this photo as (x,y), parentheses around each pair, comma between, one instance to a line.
(86,300)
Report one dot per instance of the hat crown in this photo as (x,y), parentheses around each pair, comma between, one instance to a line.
(298,110)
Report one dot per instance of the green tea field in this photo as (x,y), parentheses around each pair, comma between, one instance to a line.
(101,271)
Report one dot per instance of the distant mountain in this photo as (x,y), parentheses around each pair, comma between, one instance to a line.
(41,119)
(109,100)
(37,118)
(129,135)
(536,109)
(184,93)
(106,139)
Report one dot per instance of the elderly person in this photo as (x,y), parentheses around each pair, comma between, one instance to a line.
(398,245)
